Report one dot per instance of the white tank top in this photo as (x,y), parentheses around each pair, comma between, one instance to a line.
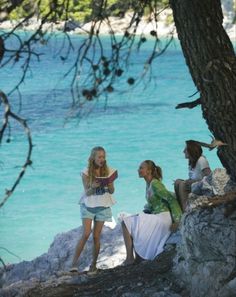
(98,199)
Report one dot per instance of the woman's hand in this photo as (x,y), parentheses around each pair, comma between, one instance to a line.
(95,184)
(188,183)
(206,171)
(110,188)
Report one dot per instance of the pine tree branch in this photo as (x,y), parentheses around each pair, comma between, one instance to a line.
(7,115)
(190,105)
(214,143)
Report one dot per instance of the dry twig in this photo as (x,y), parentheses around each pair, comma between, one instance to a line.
(7,115)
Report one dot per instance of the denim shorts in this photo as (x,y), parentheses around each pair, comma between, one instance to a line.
(96,213)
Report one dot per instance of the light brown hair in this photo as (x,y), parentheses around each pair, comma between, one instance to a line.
(155,170)
(194,152)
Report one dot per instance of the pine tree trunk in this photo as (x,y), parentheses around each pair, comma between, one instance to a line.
(211,60)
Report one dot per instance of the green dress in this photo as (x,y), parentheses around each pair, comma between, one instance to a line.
(160,200)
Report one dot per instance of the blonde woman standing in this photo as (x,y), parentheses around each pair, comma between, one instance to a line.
(95,204)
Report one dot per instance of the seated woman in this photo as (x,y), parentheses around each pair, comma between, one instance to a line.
(146,233)
(198,168)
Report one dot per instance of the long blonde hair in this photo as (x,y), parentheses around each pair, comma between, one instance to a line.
(104,171)
(155,170)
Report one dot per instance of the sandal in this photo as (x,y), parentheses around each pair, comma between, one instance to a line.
(126,263)
(74,269)
(92,270)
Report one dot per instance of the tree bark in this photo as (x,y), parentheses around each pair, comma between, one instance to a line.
(211,60)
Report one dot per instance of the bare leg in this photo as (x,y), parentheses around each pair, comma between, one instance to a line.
(177,194)
(182,193)
(81,243)
(96,242)
(128,245)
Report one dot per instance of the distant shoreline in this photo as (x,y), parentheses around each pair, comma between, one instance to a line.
(117,25)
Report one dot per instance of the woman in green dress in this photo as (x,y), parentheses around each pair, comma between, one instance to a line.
(145,234)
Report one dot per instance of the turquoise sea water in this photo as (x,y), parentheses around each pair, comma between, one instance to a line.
(132,126)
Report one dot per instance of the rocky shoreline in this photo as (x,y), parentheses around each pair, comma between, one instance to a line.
(48,275)
(197,261)
(116,25)
(148,278)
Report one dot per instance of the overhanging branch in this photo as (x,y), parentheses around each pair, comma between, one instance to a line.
(215,143)
(7,115)
(190,105)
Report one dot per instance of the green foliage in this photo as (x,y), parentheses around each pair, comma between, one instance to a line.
(22,11)
(78,10)
(169,20)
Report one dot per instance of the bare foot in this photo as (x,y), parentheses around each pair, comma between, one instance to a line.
(138,259)
(127,262)
(92,270)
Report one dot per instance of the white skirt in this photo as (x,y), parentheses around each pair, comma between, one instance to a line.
(149,233)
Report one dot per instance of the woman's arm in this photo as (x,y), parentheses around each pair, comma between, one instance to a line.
(89,189)
(155,196)
(204,165)
(175,208)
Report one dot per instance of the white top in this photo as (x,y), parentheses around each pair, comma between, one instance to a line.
(97,200)
(196,172)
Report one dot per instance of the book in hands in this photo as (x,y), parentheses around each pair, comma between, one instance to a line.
(105,180)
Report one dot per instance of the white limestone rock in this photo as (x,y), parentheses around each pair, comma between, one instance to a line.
(206,258)
(60,253)
(217,183)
